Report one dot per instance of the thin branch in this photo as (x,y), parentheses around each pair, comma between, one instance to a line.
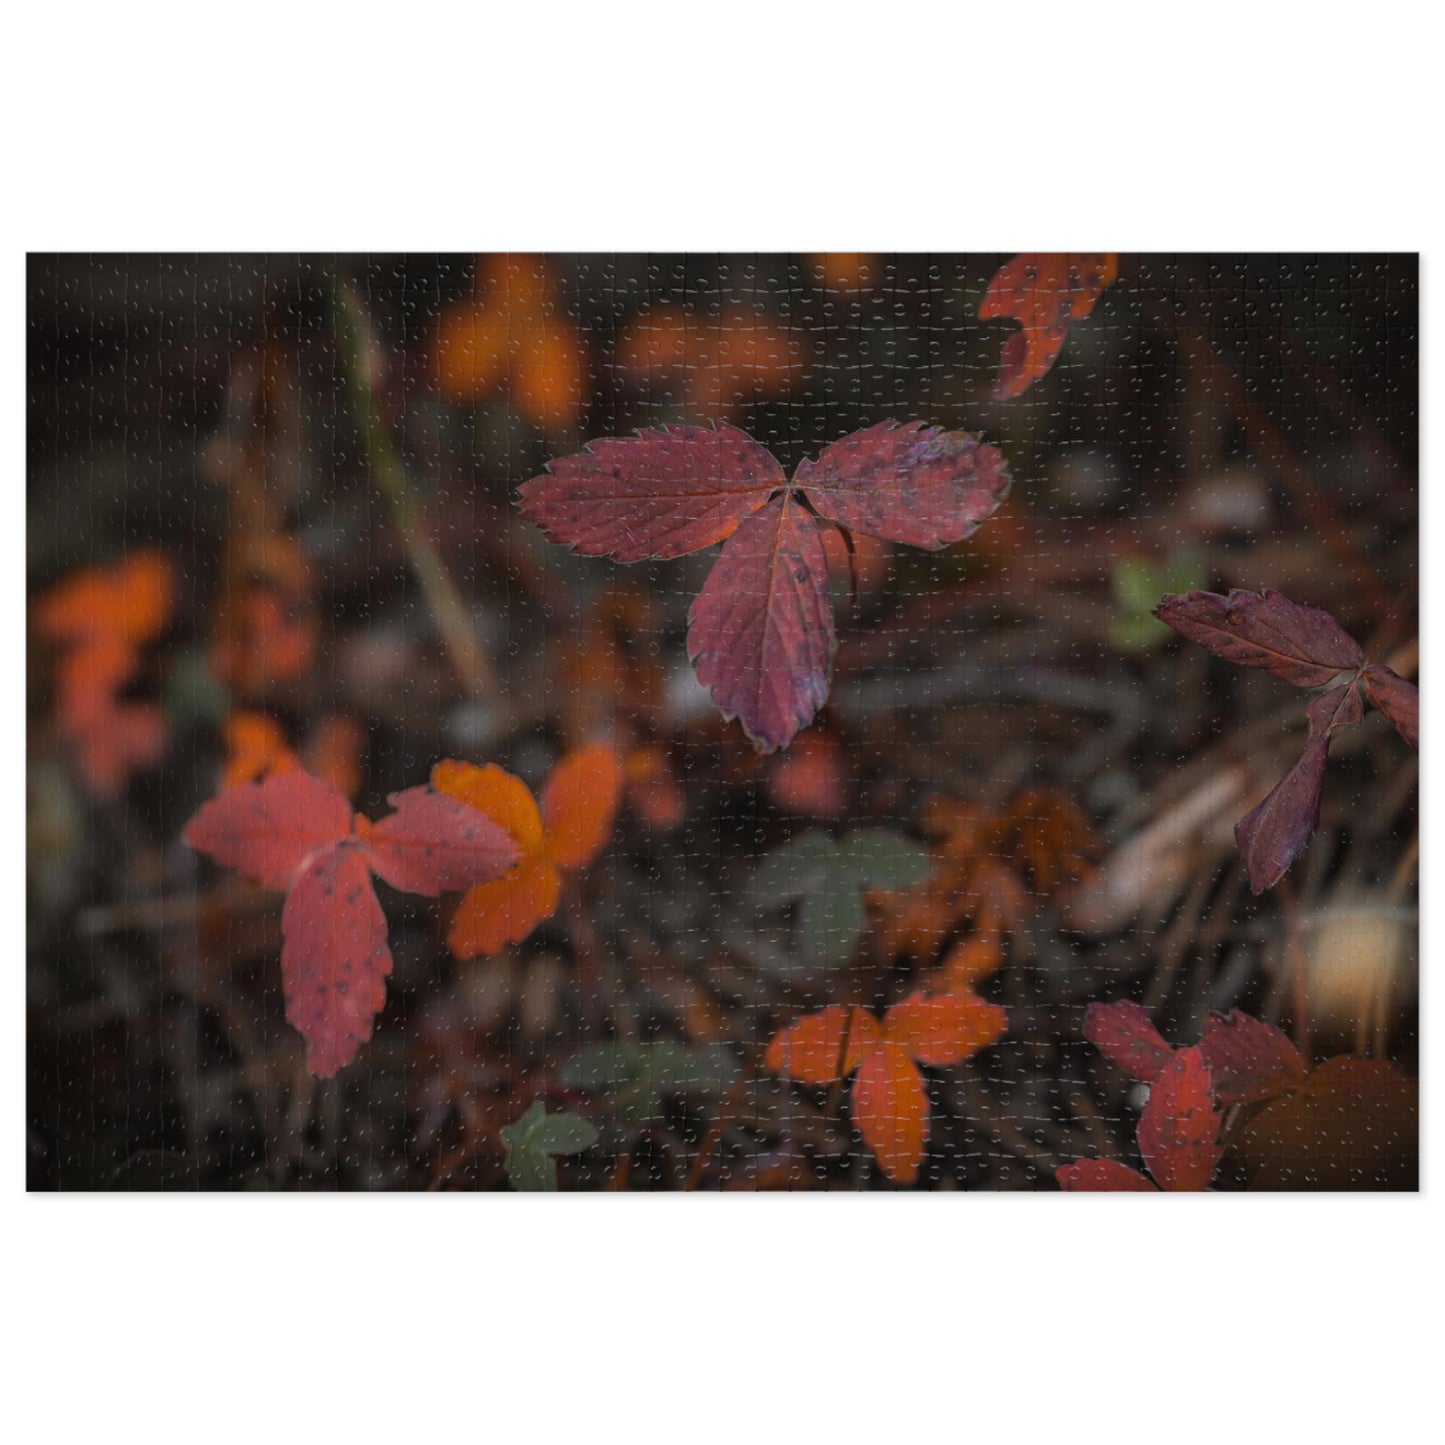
(388,475)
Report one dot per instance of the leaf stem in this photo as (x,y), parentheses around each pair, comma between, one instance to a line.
(453,618)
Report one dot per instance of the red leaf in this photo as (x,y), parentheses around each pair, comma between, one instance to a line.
(334,956)
(1179,1129)
(1125,1034)
(890,1108)
(1300,645)
(267,830)
(1093,1175)
(1248,1059)
(1397,699)
(761,630)
(1273,835)
(910,483)
(434,844)
(1043,293)
(662,493)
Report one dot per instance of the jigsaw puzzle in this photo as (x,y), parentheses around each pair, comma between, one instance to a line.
(722,722)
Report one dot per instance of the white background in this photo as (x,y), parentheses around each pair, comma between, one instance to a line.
(729,126)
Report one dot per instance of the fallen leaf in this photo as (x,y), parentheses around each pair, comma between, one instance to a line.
(1353,1125)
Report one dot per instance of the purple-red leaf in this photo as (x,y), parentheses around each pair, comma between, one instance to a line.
(433,844)
(663,493)
(1273,835)
(1300,645)
(761,630)
(1102,1175)
(1125,1034)
(334,956)
(1397,699)
(1179,1130)
(912,483)
(1248,1059)
(267,830)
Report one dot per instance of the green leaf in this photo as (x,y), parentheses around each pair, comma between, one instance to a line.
(881,858)
(637,1076)
(564,1134)
(531,1171)
(831,922)
(1138,584)
(520,1134)
(535,1137)
(830,878)
(794,869)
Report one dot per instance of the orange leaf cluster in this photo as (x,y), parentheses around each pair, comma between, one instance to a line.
(811,777)
(564,834)
(512,332)
(99,618)
(256,747)
(844,270)
(890,1099)
(612,684)
(608,671)
(988,867)
(1043,292)
(267,629)
(717,364)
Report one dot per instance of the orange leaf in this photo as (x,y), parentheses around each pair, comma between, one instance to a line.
(125,739)
(130,600)
(506,800)
(492,915)
(810,776)
(974,958)
(333,752)
(255,746)
(579,803)
(549,379)
(1043,293)
(890,1108)
(944,1028)
(810,1049)
(471,350)
(844,270)
(652,787)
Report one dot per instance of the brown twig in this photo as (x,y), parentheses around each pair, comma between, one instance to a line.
(454,621)
(1299,966)
(726,1110)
